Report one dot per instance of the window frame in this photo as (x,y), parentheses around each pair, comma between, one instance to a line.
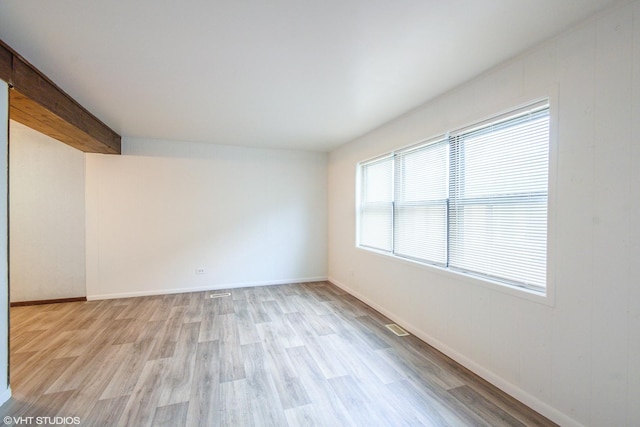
(544,295)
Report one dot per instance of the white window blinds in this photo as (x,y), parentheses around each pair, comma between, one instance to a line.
(474,201)
(498,205)
(420,208)
(376,207)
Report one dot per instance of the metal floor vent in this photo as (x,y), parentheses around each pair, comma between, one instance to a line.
(222,295)
(397,330)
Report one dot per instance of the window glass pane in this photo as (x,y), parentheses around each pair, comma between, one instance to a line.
(421,232)
(502,241)
(510,158)
(423,174)
(378,186)
(375,226)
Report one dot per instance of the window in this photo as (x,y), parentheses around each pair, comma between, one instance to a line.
(474,201)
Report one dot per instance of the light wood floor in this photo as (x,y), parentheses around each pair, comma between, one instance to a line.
(296,355)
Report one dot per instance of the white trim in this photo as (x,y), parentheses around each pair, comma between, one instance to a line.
(5,395)
(504,115)
(536,404)
(203,288)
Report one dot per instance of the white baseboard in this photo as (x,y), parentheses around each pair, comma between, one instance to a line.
(5,395)
(533,402)
(203,288)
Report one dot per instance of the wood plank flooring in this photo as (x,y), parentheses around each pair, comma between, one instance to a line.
(290,355)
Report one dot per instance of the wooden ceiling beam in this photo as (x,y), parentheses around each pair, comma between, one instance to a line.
(37,102)
(24,110)
(6,59)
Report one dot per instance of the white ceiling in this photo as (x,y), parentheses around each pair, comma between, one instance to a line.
(273,73)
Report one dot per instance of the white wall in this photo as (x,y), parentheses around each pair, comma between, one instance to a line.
(163,209)
(577,360)
(47,218)
(5,391)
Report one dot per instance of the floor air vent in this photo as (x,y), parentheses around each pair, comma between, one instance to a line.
(397,330)
(222,295)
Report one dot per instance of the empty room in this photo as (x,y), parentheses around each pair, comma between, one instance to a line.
(338,213)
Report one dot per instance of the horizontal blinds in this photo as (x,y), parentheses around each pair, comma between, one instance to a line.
(376,207)
(474,201)
(420,209)
(498,205)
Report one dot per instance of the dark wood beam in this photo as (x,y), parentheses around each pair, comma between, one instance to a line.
(37,102)
(6,58)
(25,110)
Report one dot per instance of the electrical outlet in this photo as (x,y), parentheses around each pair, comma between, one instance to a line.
(200,270)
